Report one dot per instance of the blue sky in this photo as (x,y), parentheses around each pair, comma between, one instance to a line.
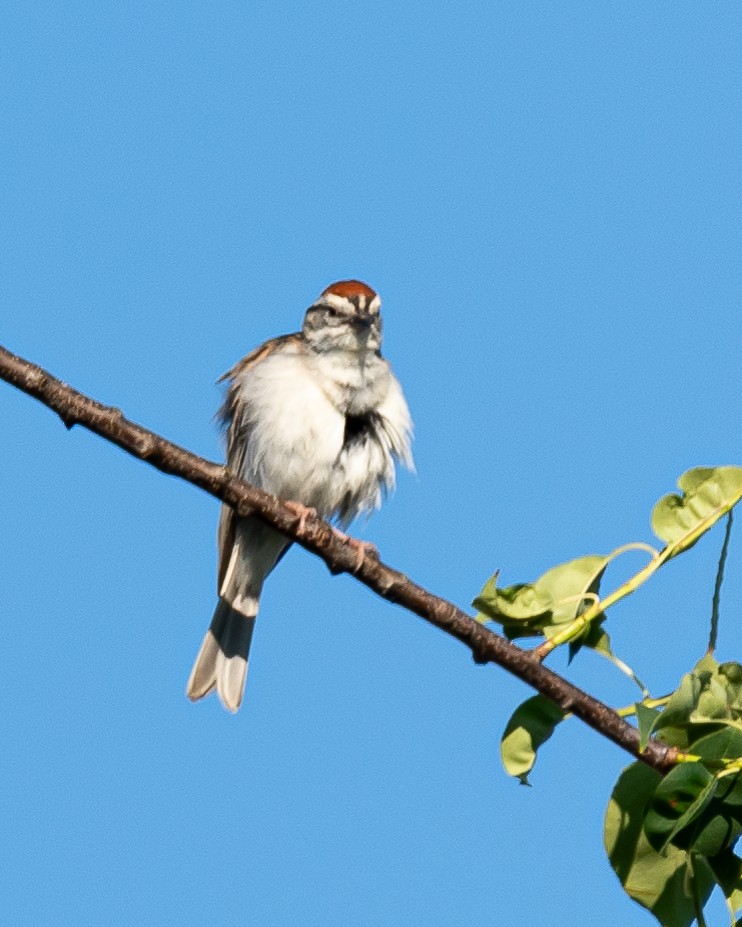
(548,198)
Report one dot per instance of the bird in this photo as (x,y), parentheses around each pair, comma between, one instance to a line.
(315,417)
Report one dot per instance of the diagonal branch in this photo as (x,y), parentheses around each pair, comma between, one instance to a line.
(318,537)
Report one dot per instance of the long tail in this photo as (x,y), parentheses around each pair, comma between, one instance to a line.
(222,661)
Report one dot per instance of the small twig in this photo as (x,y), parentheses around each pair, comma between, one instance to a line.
(318,537)
(716,600)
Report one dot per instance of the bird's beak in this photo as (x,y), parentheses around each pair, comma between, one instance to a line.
(363,320)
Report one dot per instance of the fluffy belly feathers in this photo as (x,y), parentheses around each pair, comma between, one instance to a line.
(297,443)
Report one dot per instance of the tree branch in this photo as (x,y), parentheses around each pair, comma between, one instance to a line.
(318,537)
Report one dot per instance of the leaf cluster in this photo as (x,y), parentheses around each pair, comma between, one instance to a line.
(547,605)
(669,839)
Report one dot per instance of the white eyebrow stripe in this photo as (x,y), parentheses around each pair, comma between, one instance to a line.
(349,305)
(338,302)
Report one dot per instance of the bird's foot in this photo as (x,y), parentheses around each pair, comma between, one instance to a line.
(302,512)
(362,549)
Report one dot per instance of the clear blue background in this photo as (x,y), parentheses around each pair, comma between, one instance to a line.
(548,197)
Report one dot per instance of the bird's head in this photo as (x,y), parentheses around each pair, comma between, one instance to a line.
(346,317)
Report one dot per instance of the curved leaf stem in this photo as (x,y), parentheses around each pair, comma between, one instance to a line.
(582,621)
(683,543)
(634,545)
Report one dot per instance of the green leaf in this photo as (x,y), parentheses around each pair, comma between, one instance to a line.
(692,480)
(646,719)
(732,671)
(708,493)
(712,702)
(695,810)
(675,718)
(729,793)
(715,832)
(678,800)
(732,676)
(555,599)
(721,823)
(725,744)
(520,602)
(699,689)
(596,638)
(662,884)
(727,870)
(531,725)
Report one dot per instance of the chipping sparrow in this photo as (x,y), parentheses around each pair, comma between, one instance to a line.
(316,417)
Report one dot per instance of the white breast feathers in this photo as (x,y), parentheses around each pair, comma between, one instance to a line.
(323,433)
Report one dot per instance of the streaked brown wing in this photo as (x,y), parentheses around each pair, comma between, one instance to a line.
(234,417)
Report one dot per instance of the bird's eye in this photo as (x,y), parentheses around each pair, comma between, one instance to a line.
(332,312)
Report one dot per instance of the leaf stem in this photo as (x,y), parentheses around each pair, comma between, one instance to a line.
(625,669)
(634,545)
(581,622)
(628,710)
(717,587)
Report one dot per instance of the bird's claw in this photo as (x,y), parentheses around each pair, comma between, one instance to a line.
(362,549)
(302,512)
